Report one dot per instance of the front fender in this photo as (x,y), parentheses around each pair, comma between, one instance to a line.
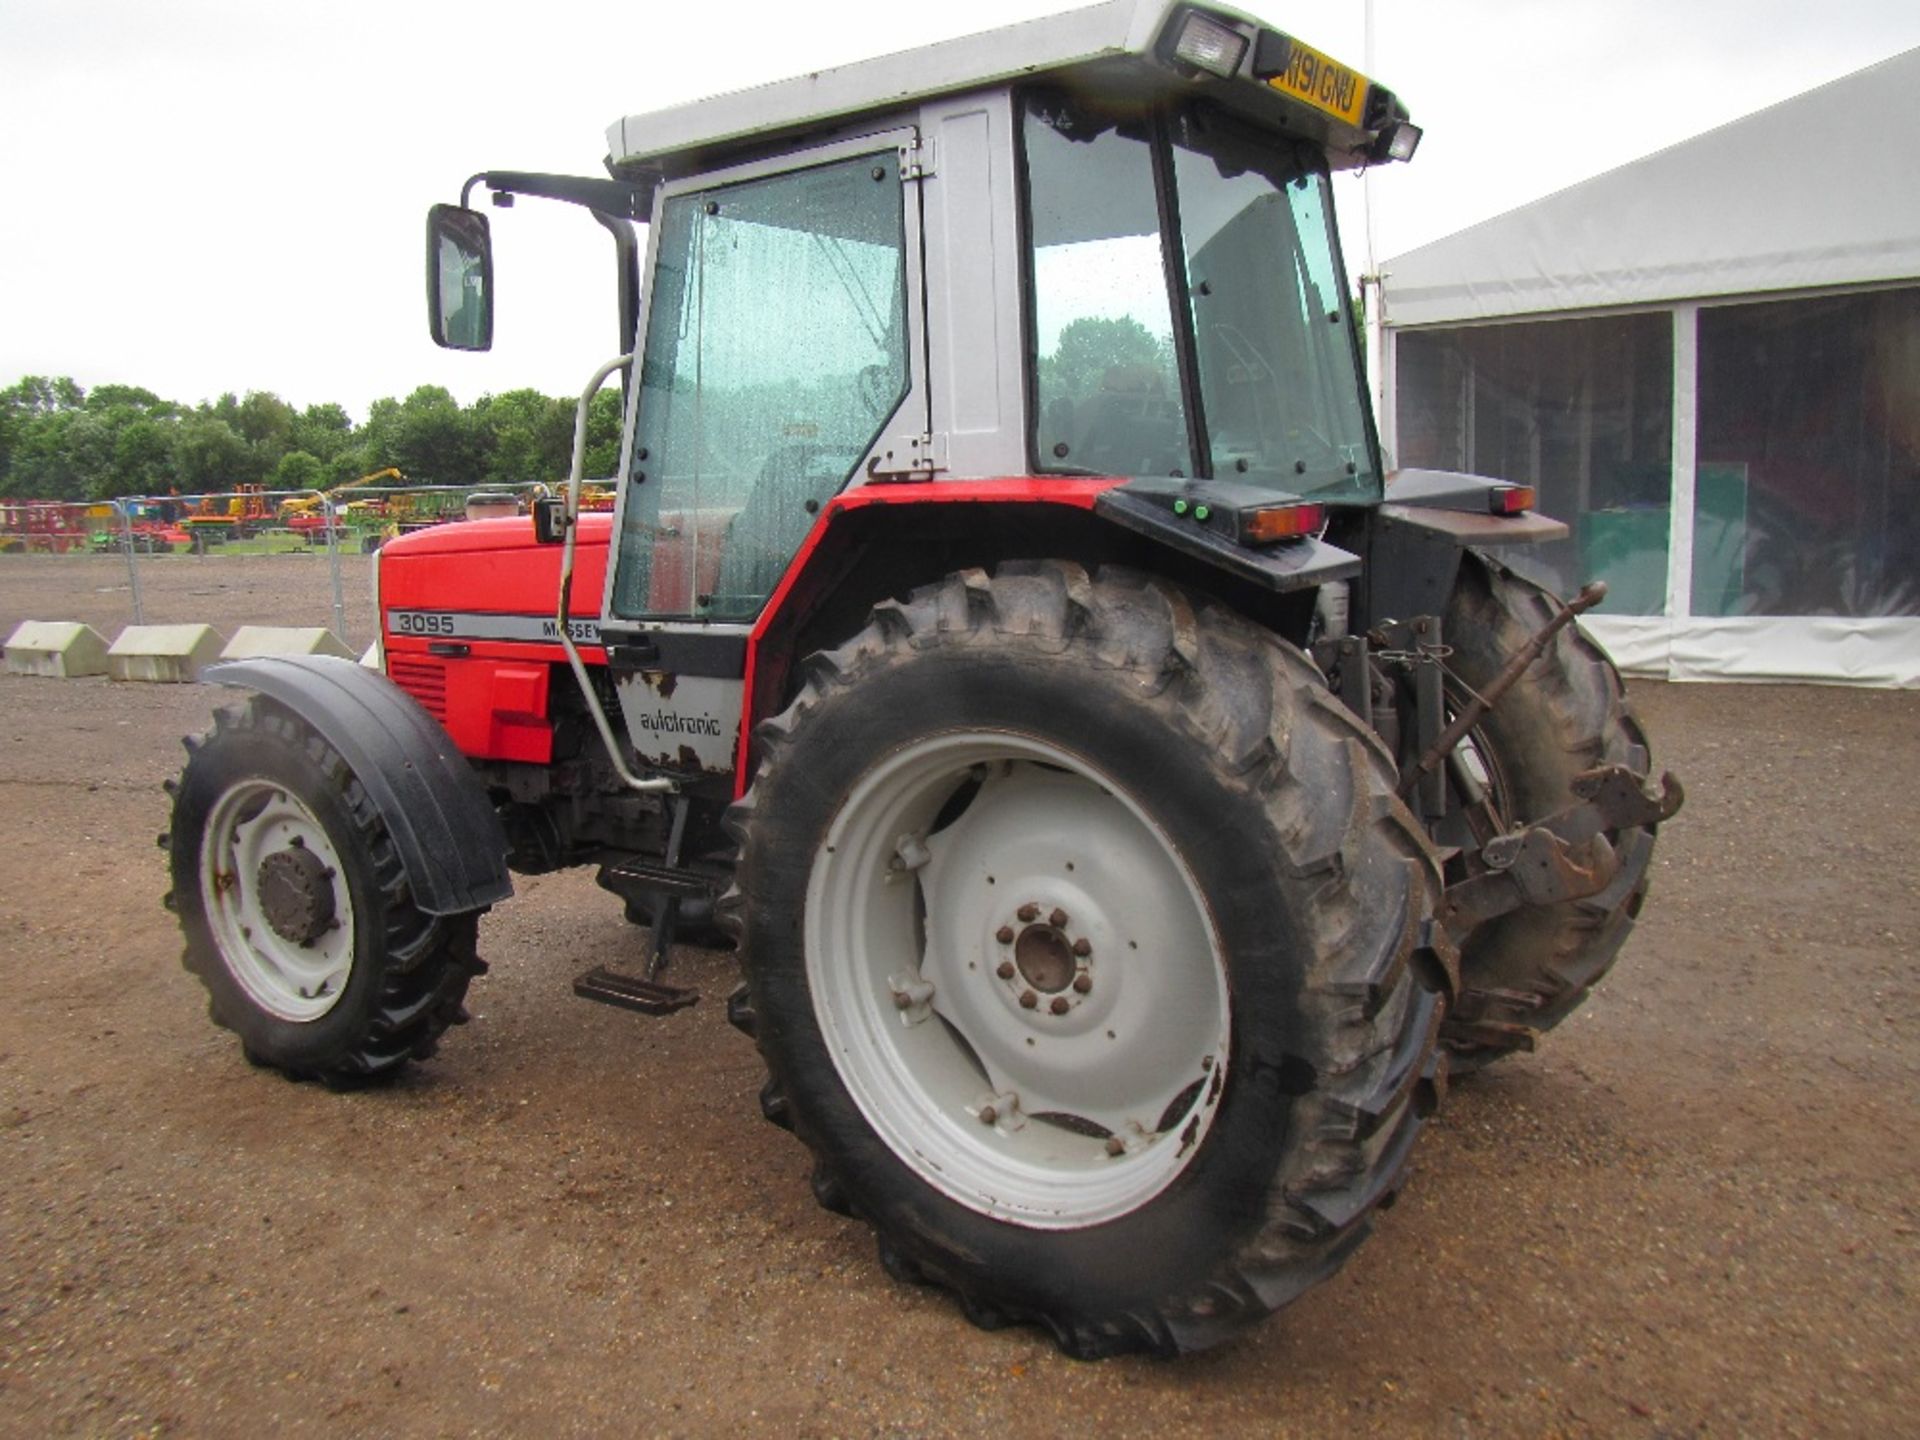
(433,804)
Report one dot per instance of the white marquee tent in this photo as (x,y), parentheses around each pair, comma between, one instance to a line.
(1708,361)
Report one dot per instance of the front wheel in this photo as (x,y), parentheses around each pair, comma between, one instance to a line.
(1079,926)
(295,907)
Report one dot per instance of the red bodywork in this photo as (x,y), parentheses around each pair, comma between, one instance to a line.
(493,695)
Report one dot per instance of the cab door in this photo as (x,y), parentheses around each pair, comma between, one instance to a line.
(782,363)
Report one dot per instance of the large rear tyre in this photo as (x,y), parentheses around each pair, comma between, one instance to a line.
(1079,925)
(295,907)
(1531,968)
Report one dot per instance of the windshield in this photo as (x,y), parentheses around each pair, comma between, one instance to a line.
(1261,382)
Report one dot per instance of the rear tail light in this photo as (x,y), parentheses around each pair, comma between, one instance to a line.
(1510,499)
(1280,522)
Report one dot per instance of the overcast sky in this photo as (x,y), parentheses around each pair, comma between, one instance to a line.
(212,195)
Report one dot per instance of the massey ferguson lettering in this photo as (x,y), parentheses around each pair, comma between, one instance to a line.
(582,632)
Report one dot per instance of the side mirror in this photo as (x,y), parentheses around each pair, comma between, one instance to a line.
(459,278)
(550,519)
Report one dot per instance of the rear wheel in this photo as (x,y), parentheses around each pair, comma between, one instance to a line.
(1531,968)
(295,908)
(1079,927)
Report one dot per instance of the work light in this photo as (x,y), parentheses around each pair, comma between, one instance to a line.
(1210,46)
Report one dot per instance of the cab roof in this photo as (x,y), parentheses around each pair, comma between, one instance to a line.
(1123,46)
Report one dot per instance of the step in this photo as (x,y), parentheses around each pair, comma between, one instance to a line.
(632,992)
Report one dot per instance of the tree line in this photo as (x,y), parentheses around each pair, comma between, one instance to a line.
(59,441)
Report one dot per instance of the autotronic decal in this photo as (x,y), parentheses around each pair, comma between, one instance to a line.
(662,722)
(472,625)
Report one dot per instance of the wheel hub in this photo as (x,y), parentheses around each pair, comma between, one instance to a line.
(279,909)
(1044,958)
(296,894)
(1046,967)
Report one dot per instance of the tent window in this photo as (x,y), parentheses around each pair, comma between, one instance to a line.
(1807,493)
(1582,410)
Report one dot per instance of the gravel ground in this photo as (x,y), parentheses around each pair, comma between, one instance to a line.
(1693,1212)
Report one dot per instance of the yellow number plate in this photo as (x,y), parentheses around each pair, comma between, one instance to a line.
(1323,83)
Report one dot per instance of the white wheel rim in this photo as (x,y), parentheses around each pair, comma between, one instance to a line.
(1125,1045)
(287,975)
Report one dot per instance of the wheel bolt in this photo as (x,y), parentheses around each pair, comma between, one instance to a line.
(1028,999)
(1082,983)
(1057,919)
(1059,1006)
(1116,1146)
(1004,934)
(988,1115)
(1005,972)
(1029,912)
(1083,947)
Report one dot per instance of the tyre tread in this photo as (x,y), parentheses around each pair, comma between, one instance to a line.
(1206,668)
(428,960)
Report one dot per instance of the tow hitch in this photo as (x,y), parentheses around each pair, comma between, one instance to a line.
(1563,857)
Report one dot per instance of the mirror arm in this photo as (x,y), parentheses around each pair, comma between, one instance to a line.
(615,197)
(627,256)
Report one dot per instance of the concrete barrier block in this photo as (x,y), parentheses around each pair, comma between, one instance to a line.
(251,640)
(59,648)
(169,654)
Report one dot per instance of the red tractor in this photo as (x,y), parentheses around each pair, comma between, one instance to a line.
(1127,799)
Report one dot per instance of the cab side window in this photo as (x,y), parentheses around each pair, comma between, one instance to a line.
(776,352)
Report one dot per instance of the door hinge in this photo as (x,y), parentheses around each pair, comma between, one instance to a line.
(916,159)
(908,457)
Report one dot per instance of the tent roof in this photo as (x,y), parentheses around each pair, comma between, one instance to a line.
(1814,191)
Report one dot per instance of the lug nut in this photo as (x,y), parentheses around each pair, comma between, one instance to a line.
(1005,972)
(1029,912)
(1059,1006)
(1116,1146)
(1004,934)
(901,1000)
(1083,947)
(988,1115)
(1057,919)
(1028,999)
(1082,983)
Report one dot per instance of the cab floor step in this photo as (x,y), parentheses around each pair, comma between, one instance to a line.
(633,992)
(640,876)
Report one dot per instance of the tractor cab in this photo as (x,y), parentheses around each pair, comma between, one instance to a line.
(1095,250)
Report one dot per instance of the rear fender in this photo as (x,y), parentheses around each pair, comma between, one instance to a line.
(957,524)
(1415,540)
(433,804)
